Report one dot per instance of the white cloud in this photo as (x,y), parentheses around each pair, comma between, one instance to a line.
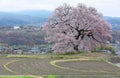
(107,7)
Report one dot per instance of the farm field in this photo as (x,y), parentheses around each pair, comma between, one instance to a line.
(57,66)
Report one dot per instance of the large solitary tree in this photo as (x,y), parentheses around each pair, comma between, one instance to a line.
(74,29)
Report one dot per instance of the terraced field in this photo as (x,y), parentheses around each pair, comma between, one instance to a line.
(59,67)
(43,67)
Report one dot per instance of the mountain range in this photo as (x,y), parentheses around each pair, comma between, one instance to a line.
(39,17)
(23,17)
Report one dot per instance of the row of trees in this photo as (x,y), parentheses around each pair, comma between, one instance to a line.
(74,29)
(20,37)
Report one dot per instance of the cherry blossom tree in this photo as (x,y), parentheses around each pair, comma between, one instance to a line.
(75,29)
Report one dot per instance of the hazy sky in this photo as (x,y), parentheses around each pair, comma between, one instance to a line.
(107,7)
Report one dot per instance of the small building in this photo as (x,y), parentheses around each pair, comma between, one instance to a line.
(34,50)
(16,27)
(17,51)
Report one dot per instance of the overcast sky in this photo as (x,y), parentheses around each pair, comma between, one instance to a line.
(107,7)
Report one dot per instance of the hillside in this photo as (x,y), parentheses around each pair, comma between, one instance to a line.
(21,37)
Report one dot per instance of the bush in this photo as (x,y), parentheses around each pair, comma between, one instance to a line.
(110,48)
(107,47)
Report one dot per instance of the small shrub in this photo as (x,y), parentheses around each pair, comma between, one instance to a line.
(110,48)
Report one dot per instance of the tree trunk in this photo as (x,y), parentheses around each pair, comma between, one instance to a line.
(76,48)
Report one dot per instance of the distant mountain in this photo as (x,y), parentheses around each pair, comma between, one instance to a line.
(11,19)
(35,13)
(115,21)
(112,20)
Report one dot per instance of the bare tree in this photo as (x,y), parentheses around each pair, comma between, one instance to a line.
(73,29)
